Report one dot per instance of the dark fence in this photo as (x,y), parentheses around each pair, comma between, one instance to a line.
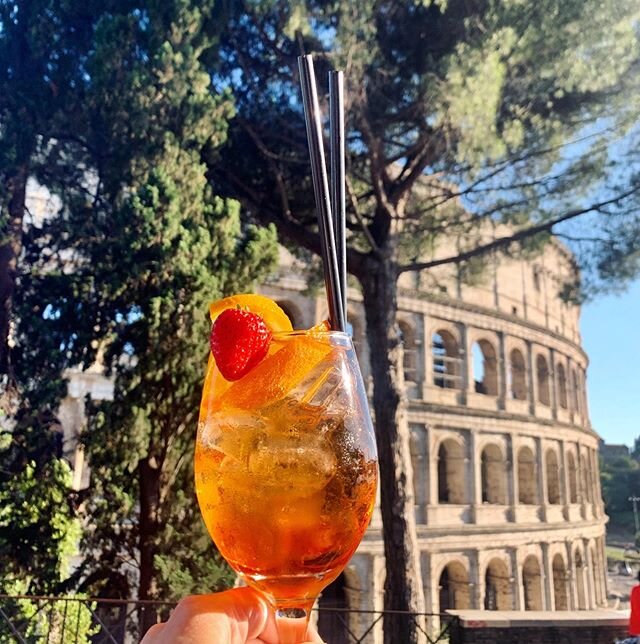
(76,620)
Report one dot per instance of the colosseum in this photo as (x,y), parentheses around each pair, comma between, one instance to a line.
(505,464)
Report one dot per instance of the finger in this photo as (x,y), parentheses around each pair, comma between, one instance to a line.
(286,628)
(233,616)
(153,634)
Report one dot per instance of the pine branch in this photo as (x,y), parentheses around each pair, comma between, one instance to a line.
(504,242)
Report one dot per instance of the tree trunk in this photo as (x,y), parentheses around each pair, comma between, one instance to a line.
(403,581)
(10,247)
(149,481)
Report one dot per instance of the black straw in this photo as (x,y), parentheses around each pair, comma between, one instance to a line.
(337,158)
(321,192)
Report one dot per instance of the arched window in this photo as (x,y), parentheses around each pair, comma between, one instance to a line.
(517,376)
(562,385)
(553,477)
(451,473)
(493,475)
(485,371)
(497,586)
(454,587)
(542,375)
(532,584)
(409,351)
(446,360)
(527,477)
(560,583)
(573,478)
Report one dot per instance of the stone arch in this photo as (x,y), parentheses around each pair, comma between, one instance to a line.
(527,477)
(532,583)
(485,368)
(493,475)
(560,595)
(293,313)
(542,380)
(553,477)
(453,587)
(409,350)
(498,591)
(573,478)
(562,386)
(451,465)
(517,375)
(579,565)
(446,359)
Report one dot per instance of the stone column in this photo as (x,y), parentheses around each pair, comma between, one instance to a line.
(475,476)
(518,586)
(502,372)
(465,354)
(541,466)
(531,379)
(572,582)
(553,398)
(546,571)
(427,358)
(378,597)
(564,481)
(476,581)
(512,490)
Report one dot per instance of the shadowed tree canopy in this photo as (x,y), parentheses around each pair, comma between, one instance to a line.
(475,129)
(107,108)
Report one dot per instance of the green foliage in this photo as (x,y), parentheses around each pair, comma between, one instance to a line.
(121,276)
(620,479)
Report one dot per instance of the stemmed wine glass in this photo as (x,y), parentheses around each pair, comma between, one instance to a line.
(286,469)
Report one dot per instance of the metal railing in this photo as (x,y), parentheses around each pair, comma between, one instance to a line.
(28,619)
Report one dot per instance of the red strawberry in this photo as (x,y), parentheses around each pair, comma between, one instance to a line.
(239,341)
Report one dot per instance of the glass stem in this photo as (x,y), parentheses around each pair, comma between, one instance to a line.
(292,623)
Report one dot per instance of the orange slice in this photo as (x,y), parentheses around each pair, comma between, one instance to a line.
(277,374)
(274,317)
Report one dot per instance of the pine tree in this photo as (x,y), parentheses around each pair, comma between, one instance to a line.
(474,130)
(122,274)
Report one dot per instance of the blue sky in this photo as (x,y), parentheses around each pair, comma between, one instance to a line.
(611,337)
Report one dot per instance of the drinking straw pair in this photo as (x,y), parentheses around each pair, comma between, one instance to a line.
(330,206)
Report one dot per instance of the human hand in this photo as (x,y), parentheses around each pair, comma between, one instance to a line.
(238,616)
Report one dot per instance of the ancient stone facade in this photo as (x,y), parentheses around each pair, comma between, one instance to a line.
(505,467)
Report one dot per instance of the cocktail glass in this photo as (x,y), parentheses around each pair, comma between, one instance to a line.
(286,470)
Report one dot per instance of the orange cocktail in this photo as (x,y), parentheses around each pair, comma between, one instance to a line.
(286,467)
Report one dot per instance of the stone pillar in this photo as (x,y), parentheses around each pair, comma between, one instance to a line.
(572,582)
(546,570)
(502,372)
(475,476)
(518,584)
(476,581)
(541,466)
(564,480)
(465,356)
(553,392)
(512,491)
(427,358)
(531,379)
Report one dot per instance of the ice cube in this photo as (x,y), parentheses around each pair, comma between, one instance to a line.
(234,434)
(298,465)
